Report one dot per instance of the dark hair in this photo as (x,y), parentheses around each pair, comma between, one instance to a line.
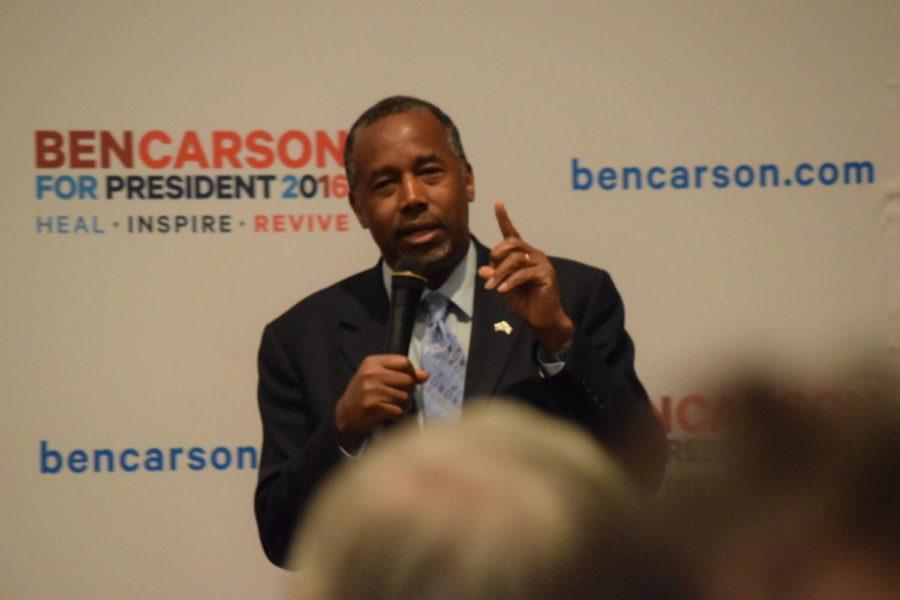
(396,105)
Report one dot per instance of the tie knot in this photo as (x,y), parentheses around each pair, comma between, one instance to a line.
(436,305)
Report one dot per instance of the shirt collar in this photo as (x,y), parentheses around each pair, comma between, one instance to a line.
(459,286)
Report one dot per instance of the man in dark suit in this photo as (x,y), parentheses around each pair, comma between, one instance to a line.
(547,331)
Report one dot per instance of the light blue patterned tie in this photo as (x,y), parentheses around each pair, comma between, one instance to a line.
(445,361)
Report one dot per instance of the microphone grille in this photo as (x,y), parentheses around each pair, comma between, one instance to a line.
(409,266)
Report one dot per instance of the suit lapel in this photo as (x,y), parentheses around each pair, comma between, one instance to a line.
(490,349)
(362,317)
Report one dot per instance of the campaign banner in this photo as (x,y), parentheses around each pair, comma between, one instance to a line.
(173,180)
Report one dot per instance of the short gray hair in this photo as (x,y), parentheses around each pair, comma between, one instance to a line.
(506,504)
(397,105)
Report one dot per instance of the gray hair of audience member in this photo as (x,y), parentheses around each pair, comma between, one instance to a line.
(508,503)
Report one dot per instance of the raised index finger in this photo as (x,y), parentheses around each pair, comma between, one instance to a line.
(506,227)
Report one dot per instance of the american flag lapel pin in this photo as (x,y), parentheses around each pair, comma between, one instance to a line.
(502,326)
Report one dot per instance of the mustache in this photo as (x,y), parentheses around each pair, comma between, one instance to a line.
(418,225)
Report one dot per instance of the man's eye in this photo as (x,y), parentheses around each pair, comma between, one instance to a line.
(431,172)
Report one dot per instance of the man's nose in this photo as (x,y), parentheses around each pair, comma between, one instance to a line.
(413,192)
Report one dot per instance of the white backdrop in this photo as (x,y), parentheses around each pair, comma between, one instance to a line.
(122,340)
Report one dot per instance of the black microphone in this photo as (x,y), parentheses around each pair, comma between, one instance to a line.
(407,282)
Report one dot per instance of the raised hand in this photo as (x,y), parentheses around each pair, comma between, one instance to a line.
(525,278)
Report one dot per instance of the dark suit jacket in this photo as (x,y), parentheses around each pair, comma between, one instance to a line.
(309,354)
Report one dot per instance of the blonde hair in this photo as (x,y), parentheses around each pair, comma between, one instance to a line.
(506,504)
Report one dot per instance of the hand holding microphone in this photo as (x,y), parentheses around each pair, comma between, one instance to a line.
(381,389)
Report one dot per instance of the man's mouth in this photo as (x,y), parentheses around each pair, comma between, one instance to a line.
(419,233)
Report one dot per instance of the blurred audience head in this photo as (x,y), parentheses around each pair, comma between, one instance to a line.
(801,502)
(804,502)
(506,504)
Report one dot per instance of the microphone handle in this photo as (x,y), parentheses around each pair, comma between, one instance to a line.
(401,318)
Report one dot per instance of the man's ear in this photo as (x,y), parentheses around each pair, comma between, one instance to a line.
(360,214)
(470,183)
